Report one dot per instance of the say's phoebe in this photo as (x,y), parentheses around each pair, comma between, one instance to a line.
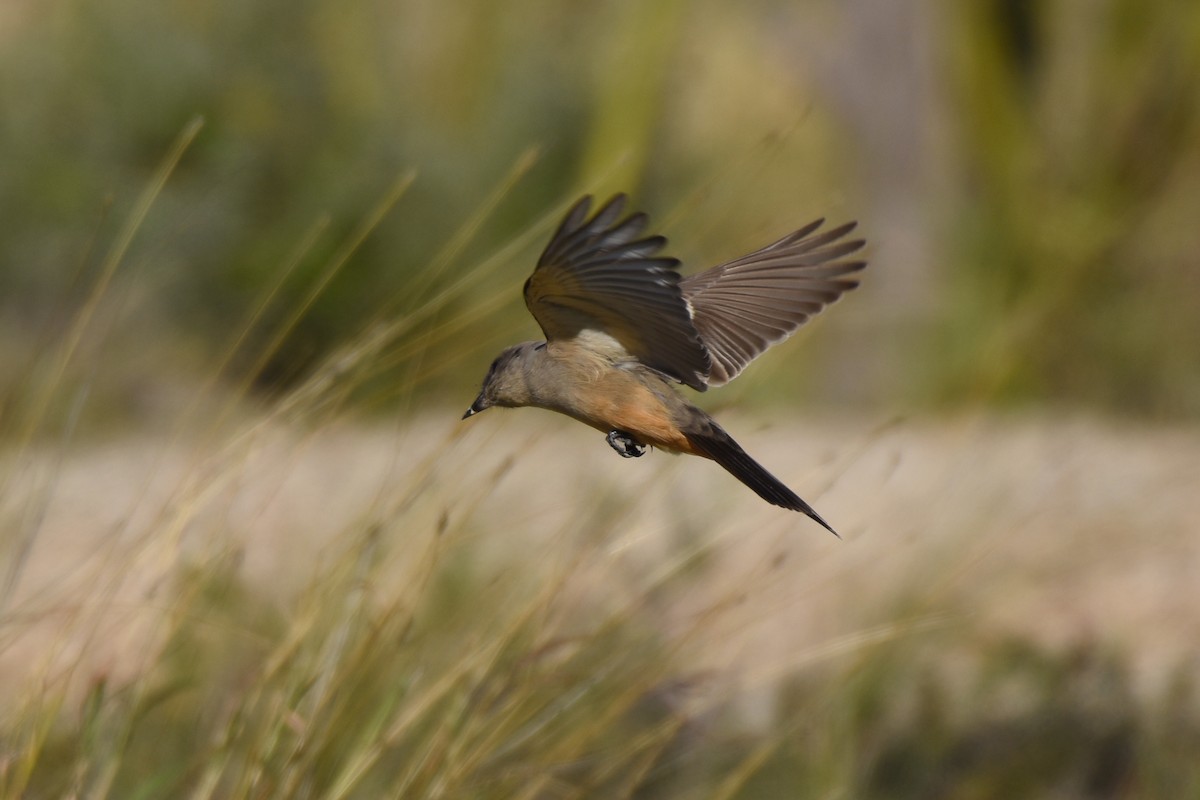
(622,328)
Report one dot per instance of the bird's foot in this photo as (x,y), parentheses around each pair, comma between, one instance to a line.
(625,444)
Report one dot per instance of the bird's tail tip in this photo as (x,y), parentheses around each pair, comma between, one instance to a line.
(721,447)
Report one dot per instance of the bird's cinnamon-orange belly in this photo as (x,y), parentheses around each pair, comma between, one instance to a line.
(634,409)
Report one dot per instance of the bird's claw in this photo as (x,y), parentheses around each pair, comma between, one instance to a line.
(625,444)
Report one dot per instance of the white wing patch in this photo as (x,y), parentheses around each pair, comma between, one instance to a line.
(687,301)
(603,344)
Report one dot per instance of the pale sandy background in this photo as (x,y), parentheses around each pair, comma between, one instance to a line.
(1065,531)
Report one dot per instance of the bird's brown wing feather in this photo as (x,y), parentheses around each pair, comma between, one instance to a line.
(596,275)
(742,307)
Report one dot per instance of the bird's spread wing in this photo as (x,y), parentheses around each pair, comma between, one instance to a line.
(744,306)
(597,278)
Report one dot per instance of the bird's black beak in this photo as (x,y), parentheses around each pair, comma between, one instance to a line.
(480,404)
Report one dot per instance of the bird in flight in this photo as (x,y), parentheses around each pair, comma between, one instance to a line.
(623,328)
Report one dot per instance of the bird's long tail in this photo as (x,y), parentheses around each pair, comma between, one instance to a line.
(718,445)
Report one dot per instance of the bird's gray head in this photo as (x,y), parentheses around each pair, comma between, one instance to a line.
(507,382)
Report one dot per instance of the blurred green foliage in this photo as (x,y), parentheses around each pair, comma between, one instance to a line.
(471,692)
(1059,162)
(1079,130)
(1058,169)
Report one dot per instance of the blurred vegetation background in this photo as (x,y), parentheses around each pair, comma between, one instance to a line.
(331,208)
(1026,174)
